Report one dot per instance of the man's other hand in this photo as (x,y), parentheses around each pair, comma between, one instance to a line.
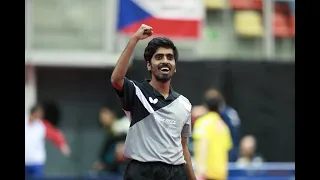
(66,150)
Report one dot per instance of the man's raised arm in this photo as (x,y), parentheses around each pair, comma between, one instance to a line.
(120,70)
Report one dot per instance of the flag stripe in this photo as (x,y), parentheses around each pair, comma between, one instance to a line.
(164,27)
(167,17)
(130,13)
(173,9)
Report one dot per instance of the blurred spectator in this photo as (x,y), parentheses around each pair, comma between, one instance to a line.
(248,152)
(231,118)
(196,112)
(111,157)
(212,141)
(36,131)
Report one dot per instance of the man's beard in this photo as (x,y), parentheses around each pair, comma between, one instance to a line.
(159,78)
(162,79)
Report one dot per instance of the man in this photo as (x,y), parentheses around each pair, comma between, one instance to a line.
(212,141)
(111,155)
(196,112)
(248,153)
(36,131)
(231,118)
(160,117)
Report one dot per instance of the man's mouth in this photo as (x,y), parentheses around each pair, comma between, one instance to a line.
(165,69)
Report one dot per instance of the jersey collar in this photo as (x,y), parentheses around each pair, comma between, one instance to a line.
(172,93)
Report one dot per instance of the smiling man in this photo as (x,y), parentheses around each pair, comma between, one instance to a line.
(160,117)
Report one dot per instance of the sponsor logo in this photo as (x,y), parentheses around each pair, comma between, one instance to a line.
(167,121)
(153,101)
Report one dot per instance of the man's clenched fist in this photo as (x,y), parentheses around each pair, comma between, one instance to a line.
(143,32)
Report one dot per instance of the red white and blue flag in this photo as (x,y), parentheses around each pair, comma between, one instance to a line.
(171,18)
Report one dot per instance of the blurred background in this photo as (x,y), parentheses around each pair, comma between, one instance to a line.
(244,48)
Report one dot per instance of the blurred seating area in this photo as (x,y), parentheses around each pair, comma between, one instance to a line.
(248,16)
(248,23)
(248,29)
(233,29)
(236,29)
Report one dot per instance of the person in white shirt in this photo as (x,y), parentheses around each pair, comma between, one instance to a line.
(248,154)
(37,130)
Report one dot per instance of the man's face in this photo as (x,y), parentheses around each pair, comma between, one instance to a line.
(248,146)
(106,117)
(162,65)
(38,113)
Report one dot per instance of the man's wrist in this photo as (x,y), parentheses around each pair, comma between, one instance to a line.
(134,39)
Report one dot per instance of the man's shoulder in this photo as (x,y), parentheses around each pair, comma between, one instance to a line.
(209,119)
(228,110)
(204,122)
(133,81)
(185,101)
(181,97)
(233,115)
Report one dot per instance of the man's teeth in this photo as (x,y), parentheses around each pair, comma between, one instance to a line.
(164,68)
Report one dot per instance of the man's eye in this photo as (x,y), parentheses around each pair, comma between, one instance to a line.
(169,57)
(158,57)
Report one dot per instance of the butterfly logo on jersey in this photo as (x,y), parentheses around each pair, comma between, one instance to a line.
(153,101)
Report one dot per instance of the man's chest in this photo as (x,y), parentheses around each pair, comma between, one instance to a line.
(171,112)
(169,116)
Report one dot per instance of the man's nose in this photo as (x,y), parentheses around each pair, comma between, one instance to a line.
(165,59)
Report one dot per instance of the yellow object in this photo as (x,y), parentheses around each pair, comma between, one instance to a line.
(248,23)
(216,4)
(213,129)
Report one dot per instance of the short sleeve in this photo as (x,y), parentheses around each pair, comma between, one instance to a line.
(186,130)
(127,94)
(233,116)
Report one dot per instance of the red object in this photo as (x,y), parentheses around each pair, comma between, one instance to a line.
(292,25)
(281,25)
(282,7)
(53,134)
(247,4)
(257,4)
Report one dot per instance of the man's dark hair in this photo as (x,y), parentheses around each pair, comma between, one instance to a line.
(213,104)
(114,107)
(34,108)
(156,43)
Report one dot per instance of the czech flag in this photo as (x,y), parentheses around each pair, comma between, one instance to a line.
(171,18)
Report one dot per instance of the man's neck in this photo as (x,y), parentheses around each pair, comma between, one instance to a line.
(162,88)
(34,117)
(31,119)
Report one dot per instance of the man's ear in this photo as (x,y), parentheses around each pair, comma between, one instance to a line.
(148,66)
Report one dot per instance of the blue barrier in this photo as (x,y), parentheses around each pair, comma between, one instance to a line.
(261,178)
(263,171)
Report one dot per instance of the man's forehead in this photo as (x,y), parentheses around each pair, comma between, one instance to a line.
(162,50)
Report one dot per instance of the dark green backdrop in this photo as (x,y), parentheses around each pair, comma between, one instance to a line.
(263,93)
